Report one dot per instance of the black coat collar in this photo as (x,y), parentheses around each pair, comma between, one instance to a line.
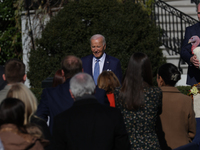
(85,99)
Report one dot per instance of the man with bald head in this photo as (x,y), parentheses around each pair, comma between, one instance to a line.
(55,100)
(193,75)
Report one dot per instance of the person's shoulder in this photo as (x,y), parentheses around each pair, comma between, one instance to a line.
(154,89)
(109,57)
(86,57)
(174,90)
(4,92)
(57,88)
(112,112)
(11,133)
(185,97)
(48,94)
(48,91)
(193,26)
(108,109)
(63,115)
(157,89)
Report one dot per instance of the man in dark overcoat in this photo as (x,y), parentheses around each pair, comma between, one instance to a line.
(88,125)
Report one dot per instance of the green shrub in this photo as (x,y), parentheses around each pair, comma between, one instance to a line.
(10,32)
(126,26)
(184,89)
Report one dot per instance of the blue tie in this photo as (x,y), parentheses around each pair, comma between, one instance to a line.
(96,71)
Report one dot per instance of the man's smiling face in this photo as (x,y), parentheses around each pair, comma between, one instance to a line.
(97,47)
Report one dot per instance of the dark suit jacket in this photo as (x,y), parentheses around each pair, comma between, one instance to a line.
(88,125)
(111,64)
(193,76)
(54,101)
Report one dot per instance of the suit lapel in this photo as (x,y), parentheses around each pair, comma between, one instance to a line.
(106,63)
(197,30)
(90,65)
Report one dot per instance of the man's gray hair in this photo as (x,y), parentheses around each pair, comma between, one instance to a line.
(82,83)
(97,36)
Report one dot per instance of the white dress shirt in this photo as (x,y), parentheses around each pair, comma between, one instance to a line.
(101,63)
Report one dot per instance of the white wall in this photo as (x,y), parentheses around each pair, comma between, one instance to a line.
(36,28)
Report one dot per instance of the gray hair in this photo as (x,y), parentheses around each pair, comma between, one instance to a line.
(82,83)
(97,36)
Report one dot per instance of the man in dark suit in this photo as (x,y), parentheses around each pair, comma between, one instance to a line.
(58,99)
(88,125)
(106,62)
(193,75)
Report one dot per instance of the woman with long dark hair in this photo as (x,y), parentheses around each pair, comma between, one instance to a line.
(140,103)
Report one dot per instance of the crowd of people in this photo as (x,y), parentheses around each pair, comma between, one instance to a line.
(90,107)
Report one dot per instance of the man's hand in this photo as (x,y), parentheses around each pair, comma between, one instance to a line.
(195,61)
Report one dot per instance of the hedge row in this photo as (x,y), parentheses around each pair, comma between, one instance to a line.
(126,26)
(10,32)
